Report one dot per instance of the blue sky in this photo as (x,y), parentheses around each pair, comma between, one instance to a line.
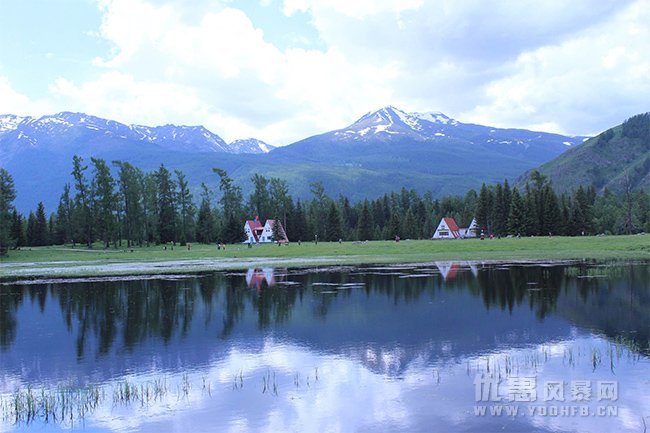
(281,70)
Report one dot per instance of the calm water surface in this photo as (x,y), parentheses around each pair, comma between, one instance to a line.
(420,348)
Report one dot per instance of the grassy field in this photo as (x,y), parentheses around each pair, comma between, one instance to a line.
(52,261)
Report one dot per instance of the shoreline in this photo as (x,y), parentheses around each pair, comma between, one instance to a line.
(180,269)
(60,262)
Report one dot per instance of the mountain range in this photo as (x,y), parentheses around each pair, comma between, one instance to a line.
(618,159)
(382,151)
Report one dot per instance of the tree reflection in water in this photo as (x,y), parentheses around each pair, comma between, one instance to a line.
(611,299)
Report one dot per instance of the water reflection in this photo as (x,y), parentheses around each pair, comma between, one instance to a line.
(404,342)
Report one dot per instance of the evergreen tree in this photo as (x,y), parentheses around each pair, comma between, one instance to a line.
(277,230)
(150,208)
(500,211)
(233,215)
(581,212)
(206,225)
(507,195)
(421,217)
(166,205)
(281,204)
(409,226)
(394,226)
(104,201)
(552,213)
(317,209)
(333,223)
(83,201)
(63,230)
(259,202)
(365,223)
(17,230)
(40,229)
(565,218)
(532,218)
(186,209)
(642,210)
(51,228)
(7,197)
(517,215)
(348,217)
(483,209)
(232,230)
(298,231)
(131,196)
(30,231)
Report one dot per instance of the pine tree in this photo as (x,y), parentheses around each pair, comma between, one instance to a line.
(365,223)
(552,213)
(186,209)
(281,204)
(17,230)
(40,230)
(63,229)
(317,209)
(259,202)
(517,215)
(394,226)
(206,226)
(83,201)
(131,196)
(30,231)
(277,231)
(166,205)
(409,226)
(484,209)
(531,215)
(150,208)
(333,223)
(581,212)
(298,231)
(104,201)
(500,211)
(7,196)
(231,202)
(565,219)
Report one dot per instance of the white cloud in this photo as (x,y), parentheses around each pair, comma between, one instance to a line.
(118,96)
(14,102)
(599,74)
(574,67)
(220,71)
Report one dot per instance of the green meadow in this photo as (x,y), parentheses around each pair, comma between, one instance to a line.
(80,260)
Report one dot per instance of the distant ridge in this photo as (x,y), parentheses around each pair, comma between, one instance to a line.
(616,159)
(66,127)
(384,150)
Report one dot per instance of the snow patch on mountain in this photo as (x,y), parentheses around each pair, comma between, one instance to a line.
(80,127)
(392,120)
(9,122)
(250,145)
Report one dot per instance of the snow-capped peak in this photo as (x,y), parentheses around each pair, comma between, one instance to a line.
(250,145)
(392,120)
(67,127)
(435,117)
(9,122)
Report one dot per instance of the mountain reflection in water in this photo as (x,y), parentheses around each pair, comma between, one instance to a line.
(300,349)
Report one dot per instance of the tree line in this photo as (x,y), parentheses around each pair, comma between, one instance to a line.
(121,205)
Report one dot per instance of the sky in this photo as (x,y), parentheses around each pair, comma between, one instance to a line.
(283,70)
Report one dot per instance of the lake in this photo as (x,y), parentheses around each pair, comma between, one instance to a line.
(444,346)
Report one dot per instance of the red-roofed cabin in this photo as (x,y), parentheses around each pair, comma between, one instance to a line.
(256,233)
(253,230)
(447,229)
(267,234)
